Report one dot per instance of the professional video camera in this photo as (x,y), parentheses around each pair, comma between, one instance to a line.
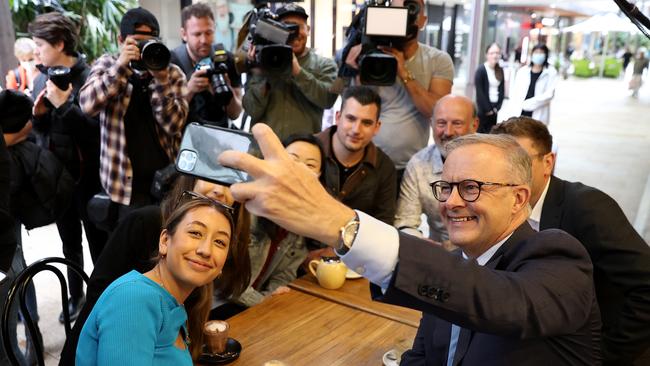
(216,67)
(379,24)
(271,39)
(154,55)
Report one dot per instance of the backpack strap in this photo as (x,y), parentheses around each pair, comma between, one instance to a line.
(19,80)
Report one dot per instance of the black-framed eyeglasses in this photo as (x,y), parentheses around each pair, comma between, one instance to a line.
(468,189)
(227,210)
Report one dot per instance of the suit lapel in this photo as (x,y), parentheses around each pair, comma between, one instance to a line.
(441,337)
(552,207)
(465,337)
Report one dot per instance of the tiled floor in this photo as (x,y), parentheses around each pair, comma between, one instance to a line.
(603,139)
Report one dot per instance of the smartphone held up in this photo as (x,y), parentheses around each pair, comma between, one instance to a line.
(202,145)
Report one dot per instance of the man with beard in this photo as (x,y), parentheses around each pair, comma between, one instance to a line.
(355,171)
(198,50)
(292,103)
(453,116)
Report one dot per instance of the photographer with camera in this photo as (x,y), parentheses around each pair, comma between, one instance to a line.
(60,126)
(140,99)
(292,103)
(424,75)
(213,83)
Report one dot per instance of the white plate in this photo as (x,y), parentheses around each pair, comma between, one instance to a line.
(389,361)
(352,275)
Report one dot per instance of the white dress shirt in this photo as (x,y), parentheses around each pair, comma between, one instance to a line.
(536,213)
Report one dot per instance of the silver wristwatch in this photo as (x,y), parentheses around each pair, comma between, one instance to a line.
(347,234)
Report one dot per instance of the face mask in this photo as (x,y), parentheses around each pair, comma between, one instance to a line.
(27,65)
(538,58)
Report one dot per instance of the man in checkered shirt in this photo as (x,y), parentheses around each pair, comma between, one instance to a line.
(142,114)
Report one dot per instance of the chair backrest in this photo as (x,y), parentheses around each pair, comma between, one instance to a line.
(19,288)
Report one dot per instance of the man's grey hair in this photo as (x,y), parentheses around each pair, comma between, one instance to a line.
(518,159)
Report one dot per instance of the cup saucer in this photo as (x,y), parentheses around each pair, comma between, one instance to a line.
(351,275)
(233,349)
(390,358)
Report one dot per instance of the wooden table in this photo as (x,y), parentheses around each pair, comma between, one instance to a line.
(303,329)
(356,294)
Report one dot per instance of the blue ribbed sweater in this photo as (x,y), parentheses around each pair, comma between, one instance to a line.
(134,322)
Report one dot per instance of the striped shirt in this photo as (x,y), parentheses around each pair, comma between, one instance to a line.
(107,92)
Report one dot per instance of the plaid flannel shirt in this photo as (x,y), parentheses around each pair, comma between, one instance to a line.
(107,92)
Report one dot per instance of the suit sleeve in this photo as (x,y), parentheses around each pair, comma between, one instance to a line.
(535,299)
(623,257)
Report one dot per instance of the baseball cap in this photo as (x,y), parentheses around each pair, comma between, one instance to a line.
(137,17)
(292,9)
(16,110)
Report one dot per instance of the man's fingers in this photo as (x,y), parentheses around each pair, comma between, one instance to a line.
(268,141)
(243,192)
(242,161)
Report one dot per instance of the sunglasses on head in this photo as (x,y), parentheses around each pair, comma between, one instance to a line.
(227,210)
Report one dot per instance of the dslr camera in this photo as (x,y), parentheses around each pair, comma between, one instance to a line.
(379,24)
(60,76)
(271,39)
(154,55)
(216,67)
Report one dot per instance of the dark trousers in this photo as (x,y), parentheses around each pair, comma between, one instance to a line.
(19,257)
(69,226)
(486,123)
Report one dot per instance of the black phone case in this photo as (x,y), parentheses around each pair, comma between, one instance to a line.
(201,146)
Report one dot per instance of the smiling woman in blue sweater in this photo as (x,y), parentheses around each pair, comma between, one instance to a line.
(141,319)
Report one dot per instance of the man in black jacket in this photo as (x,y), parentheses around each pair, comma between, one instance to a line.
(620,256)
(62,127)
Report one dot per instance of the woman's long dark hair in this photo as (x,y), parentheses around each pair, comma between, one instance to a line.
(235,275)
(498,70)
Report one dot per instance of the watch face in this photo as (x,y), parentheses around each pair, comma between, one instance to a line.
(350,233)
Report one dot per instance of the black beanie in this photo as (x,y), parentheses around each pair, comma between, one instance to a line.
(137,17)
(15,110)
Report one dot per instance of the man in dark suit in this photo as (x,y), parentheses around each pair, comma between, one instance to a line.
(514,297)
(621,258)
